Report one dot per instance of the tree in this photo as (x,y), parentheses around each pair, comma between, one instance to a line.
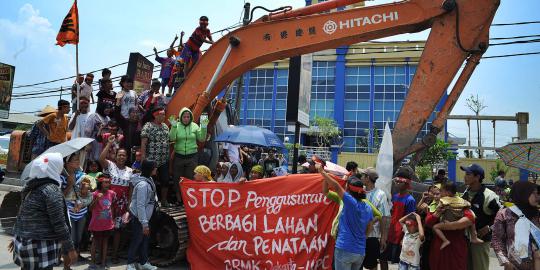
(436,154)
(477,105)
(494,171)
(325,130)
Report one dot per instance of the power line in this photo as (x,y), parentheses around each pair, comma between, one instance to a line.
(515,23)
(120,64)
(349,61)
(238,25)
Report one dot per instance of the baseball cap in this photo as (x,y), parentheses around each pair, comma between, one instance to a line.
(473,168)
(370,172)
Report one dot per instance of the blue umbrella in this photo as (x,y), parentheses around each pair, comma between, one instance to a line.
(250,135)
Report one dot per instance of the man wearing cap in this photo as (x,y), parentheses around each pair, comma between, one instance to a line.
(485,205)
(402,204)
(376,239)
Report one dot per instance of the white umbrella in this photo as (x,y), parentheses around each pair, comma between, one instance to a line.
(65,149)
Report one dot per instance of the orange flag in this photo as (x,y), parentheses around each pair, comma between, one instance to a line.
(69,31)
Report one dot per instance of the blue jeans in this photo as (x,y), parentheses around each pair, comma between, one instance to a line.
(344,260)
(406,266)
(138,245)
(77,230)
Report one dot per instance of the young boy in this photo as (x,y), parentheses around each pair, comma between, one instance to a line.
(191,50)
(409,259)
(402,204)
(454,207)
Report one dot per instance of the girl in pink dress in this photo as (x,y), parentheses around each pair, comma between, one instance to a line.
(102,222)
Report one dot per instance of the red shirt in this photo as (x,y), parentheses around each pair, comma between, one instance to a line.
(196,39)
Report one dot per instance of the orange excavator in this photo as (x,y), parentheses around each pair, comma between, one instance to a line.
(459,34)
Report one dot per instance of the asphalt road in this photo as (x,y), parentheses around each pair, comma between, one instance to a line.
(6,261)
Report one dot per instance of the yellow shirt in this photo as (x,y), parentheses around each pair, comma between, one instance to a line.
(57,128)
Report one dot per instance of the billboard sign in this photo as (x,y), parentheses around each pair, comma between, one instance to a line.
(7,73)
(140,70)
(299,92)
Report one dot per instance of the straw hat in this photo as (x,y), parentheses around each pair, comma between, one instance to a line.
(47,110)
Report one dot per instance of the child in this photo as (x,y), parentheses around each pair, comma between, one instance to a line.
(409,259)
(136,166)
(403,204)
(92,170)
(105,75)
(453,211)
(191,51)
(102,222)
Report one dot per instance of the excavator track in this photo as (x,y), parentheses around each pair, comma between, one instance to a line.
(169,237)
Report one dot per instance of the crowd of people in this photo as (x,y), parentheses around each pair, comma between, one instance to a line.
(138,157)
(443,230)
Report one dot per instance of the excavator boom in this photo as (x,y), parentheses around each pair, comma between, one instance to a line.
(459,30)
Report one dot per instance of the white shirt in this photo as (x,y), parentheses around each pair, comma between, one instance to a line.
(377,197)
(119,177)
(78,130)
(86,90)
(233,151)
(129,100)
(410,248)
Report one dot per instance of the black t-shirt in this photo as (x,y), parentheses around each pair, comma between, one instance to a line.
(105,97)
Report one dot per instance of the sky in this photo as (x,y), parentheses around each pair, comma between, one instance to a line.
(110,30)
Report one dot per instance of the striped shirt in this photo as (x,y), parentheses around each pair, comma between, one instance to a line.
(378,198)
(74,196)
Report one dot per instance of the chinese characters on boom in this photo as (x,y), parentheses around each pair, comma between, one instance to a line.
(299,32)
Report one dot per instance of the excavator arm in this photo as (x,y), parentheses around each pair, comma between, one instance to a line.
(459,32)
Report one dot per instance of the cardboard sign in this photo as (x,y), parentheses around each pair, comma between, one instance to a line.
(7,73)
(140,70)
(278,223)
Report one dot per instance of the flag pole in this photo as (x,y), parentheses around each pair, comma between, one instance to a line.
(77,77)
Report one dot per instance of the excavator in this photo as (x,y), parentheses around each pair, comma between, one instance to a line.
(458,38)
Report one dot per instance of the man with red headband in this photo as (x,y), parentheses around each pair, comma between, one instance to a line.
(402,204)
(355,217)
(192,47)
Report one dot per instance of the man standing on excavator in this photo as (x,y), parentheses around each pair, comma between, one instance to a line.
(192,47)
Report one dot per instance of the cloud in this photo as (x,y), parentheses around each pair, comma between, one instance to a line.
(29,24)
(31,35)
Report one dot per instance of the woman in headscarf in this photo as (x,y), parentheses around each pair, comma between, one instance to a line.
(223,171)
(235,173)
(202,174)
(42,225)
(512,241)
